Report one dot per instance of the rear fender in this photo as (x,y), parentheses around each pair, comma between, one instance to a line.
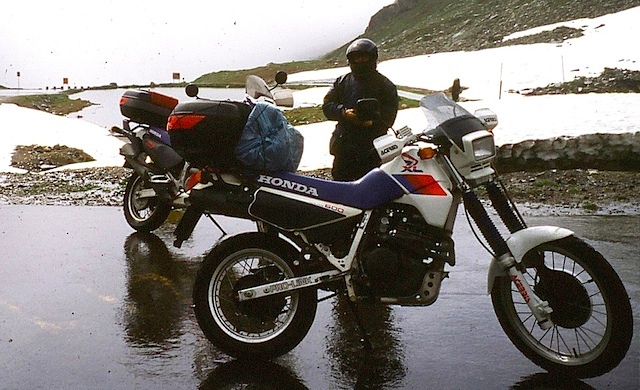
(520,243)
(133,163)
(129,151)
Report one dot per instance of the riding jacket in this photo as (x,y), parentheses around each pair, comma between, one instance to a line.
(352,144)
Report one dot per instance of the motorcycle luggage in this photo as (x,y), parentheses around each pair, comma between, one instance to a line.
(147,107)
(205,132)
(162,154)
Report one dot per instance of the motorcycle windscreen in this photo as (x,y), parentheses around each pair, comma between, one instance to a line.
(294,212)
(256,87)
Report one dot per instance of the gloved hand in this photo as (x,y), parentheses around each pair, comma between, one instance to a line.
(350,115)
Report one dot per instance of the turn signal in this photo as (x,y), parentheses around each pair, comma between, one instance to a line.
(193,179)
(426,153)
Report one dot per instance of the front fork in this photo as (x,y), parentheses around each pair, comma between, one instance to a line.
(539,308)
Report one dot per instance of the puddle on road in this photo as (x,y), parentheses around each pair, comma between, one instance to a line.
(120,303)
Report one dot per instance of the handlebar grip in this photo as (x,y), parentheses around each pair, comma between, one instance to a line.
(116,129)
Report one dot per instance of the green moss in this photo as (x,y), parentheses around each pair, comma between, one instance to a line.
(55,103)
(590,206)
(543,183)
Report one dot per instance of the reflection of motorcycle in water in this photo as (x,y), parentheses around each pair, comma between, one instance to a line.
(252,374)
(382,366)
(155,301)
(388,237)
(549,381)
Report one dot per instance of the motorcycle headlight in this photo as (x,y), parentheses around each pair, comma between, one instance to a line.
(483,148)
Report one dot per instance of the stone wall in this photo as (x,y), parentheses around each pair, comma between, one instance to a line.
(609,152)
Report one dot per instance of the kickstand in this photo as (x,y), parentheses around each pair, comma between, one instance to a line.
(356,316)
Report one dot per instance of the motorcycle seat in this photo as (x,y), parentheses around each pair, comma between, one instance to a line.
(372,190)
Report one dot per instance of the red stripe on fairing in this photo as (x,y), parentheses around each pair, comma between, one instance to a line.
(421,184)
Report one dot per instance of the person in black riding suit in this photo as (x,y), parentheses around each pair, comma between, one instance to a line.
(352,140)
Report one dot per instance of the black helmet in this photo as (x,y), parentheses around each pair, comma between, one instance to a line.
(362,55)
(363,45)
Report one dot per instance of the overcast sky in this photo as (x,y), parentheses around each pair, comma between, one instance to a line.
(141,41)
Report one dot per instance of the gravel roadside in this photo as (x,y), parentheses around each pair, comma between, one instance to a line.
(548,193)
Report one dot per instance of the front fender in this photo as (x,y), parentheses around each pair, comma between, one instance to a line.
(523,241)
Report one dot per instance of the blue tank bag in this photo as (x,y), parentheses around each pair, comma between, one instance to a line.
(269,143)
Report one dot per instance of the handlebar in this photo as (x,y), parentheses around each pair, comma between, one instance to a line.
(116,129)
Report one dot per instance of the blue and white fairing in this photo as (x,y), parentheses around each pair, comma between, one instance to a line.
(297,202)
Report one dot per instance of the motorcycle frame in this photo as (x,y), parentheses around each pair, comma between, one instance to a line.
(407,167)
(440,211)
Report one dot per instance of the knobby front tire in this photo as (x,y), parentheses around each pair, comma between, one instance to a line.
(593,323)
(263,328)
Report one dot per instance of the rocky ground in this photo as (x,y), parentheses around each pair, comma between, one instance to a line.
(611,80)
(549,192)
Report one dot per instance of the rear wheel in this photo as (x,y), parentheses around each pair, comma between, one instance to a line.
(143,213)
(593,324)
(262,328)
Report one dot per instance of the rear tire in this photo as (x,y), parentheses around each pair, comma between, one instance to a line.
(143,214)
(263,328)
(593,323)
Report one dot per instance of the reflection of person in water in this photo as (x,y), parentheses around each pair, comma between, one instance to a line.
(153,307)
(380,367)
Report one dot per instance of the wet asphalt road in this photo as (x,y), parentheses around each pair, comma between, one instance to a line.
(85,303)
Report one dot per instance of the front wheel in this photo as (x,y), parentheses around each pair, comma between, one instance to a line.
(143,213)
(262,328)
(593,324)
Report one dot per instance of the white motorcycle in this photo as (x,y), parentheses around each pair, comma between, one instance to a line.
(388,237)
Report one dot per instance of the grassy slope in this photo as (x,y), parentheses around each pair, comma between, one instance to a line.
(59,104)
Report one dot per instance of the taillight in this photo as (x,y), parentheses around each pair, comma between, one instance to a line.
(162,100)
(183,122)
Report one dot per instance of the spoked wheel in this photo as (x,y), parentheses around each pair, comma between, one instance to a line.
(263,328)
(143,213)
(593,324)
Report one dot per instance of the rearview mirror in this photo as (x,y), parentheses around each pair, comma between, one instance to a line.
(192,90)
(281,77)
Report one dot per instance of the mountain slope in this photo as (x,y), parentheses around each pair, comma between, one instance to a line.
(414,27)
(409,28)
